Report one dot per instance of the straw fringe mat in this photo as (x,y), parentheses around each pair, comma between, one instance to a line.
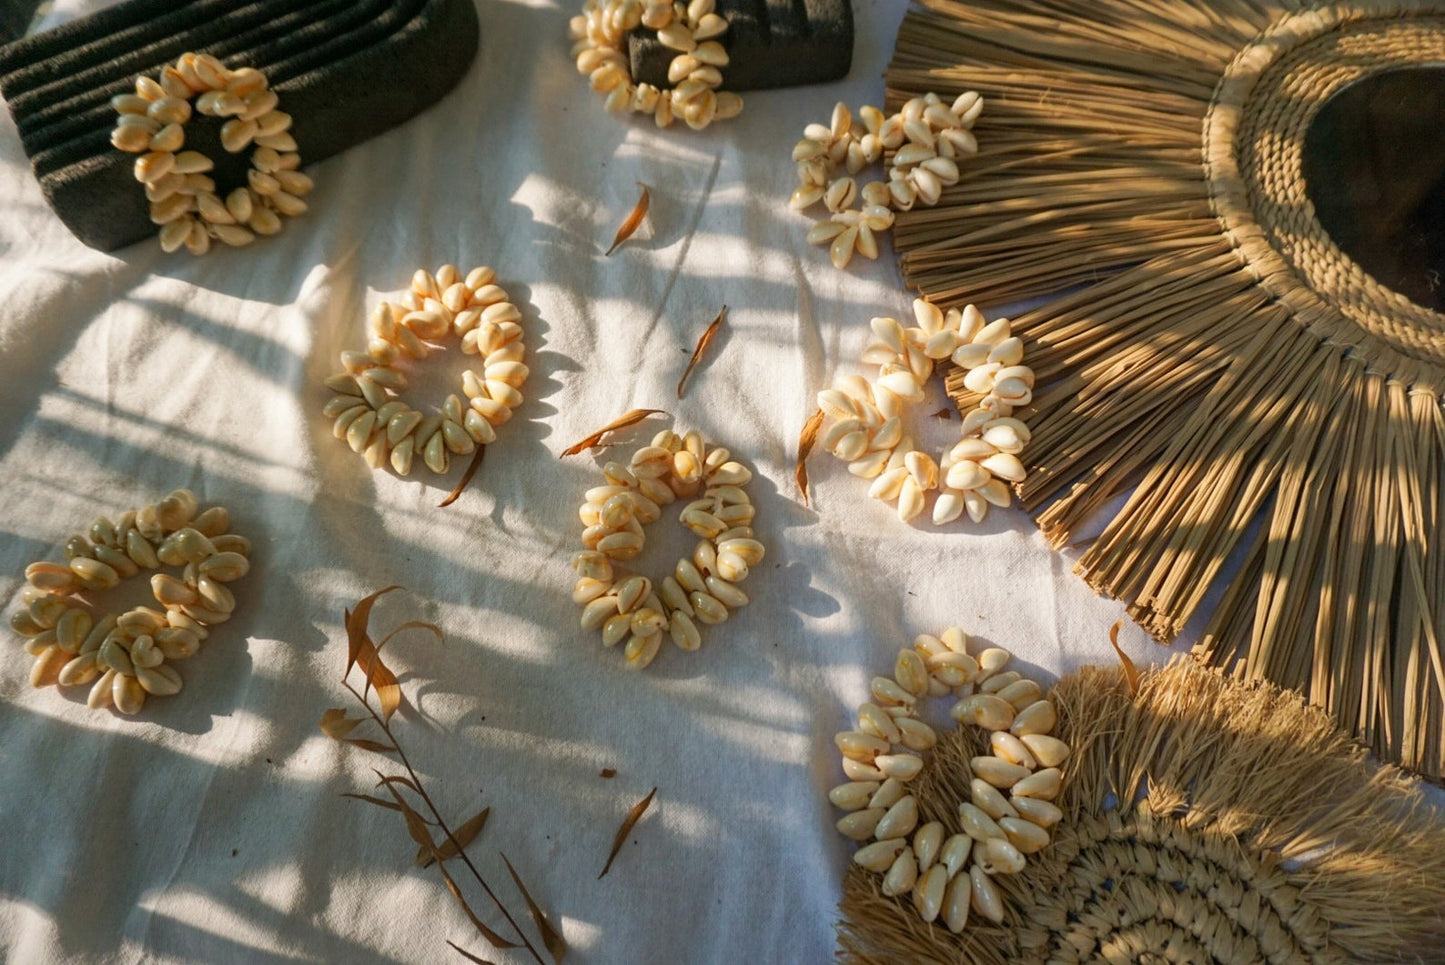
(1206,820)
(1267,408)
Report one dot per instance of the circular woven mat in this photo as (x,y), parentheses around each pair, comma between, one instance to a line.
(1206,820)
(1254,139)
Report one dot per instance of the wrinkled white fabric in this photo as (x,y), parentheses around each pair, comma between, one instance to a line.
(211,828)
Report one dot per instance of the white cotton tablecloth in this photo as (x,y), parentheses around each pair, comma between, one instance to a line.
(211,827)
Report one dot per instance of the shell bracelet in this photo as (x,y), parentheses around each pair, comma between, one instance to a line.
(183,199)
(693,30)
(864,419)
(131,654)
(368,411)
(701,589)
(931,861)
(928,138)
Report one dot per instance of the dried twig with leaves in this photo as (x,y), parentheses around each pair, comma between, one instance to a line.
(408,796)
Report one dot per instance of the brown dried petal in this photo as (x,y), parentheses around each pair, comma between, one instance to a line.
(634,220)
(631,418)
(702,346)
(806,439)
(633,815)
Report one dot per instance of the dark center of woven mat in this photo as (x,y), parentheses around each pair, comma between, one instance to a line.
(1374,166)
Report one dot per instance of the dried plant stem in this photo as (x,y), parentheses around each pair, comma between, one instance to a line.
(416,783)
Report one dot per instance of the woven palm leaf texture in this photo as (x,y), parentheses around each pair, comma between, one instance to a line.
(1267,413)
(1206,819)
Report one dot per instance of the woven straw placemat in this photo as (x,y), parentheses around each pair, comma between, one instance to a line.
(1206,820)
(1267,413)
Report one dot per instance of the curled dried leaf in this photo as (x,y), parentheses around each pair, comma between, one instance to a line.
(702,347)
(410,625)
(1131,672)
(622,422)
(336,725)
(495,940)
(356,622)
(806,439)
(634,220)
(362,653)
(466,479)
(370,745)
(468,955)
(633,815)
(379,802)
(460,838)
(551,937)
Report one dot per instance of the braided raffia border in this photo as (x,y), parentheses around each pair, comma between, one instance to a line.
(1204,817)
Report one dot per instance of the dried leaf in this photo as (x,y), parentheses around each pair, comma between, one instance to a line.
(336,725)
(416,825)
(379,802)
(410,625)
(634,220)
(1131,672)
(370,745)
(356,621)
(702,345)
(631,418)
(637,811)
(806,439)
(361,652)
(466,479)
(496,941)
(386,781)
(468,955)
(551,937)
(462,836)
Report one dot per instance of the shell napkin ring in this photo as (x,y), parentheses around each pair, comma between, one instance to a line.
(127,657)
(701,589)
(693,30)
(865,418)
(183,199)
(928,139)
(368,410)
(930,862)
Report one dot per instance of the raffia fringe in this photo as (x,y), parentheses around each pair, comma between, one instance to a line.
(1247,441)
(1206,819)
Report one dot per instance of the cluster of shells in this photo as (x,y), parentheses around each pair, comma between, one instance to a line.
(183,199)
(367,411)
(124,658)
(927,139)
(864,419)
(949,870)
(700,590)
(693,30)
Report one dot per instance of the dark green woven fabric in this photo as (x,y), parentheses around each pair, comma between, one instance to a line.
(346,70)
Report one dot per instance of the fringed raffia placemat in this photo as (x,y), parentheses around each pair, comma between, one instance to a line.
(1270,410)
(1205,820)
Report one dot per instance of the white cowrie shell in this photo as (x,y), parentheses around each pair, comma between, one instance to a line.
(987,798)
(902,875)
(926,845)
(1024,835)
(1045,814)
(977,824)
(1037,718)
(899,820)
(1044,784)
(986,899)
(880,855)
(928,893)
(998,772)
(957,897)
(859,825)
(905,767)
(999,856)
(984,710)
(1048,751)
(1009,748)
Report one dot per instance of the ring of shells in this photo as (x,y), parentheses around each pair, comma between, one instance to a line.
(927,139)
(1012,788)
(702,589)
(128,657)
(693,30)
(183,199)
(368,411)
(864,419)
